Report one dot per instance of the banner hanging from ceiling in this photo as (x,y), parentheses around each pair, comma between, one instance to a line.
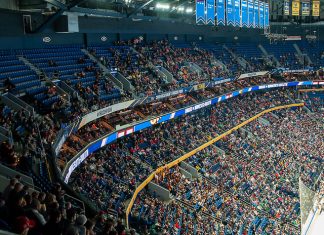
(245,15)
(210,12)
(256,14)
(316,8)
(237,14)
(251,13)
(266,15)
(295,7)
(261,12)
(306,8)
(286,8)
(200,12)
(221,12)
(230,12)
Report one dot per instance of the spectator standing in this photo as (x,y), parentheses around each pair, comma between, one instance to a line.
(54,225)
(10,187)
(90,226)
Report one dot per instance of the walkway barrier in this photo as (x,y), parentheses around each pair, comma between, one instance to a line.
(310,90)
(198,149)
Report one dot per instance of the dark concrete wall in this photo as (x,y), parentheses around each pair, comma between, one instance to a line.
(93,28)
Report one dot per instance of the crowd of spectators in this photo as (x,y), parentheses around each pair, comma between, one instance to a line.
(177,61)
(155,108)
(107,185)
(23,129)
(85,77)
(314,101)
(137,155)
(25,211)
(257,176)
(150,153)
(265,169)
(64,111)
(153,216)
(134,66)
(108,123)
(176,102)
(232,215)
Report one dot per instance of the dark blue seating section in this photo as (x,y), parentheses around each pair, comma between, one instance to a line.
(16,74)
(221,54)
(131,65)
(19,78)
(315,51)
(251,53)
(123,58)
(69,62)
(115,54)
(314,101)
(285,53)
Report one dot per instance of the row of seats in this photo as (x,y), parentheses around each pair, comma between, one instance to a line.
(70,64)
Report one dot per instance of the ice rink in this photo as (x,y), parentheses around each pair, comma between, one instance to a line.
(317,225)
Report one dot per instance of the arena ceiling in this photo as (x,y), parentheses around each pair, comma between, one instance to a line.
(183,10)
(160,8)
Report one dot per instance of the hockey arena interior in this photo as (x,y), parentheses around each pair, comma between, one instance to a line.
(161,117)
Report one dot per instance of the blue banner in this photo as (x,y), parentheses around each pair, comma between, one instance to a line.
(210,12)
(230,12)
(217,81)
(200,12)
(288,70)
(256,14)
(251,13)
(266,15)
(261,11)
(221,12)
(245,16)
(237,9)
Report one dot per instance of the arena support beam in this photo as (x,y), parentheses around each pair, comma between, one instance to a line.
(56,3)
(139,8)
(57,14)
(198,149)
(179,3)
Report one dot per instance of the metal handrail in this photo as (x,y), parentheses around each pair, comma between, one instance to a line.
(75,199)
(14,172)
